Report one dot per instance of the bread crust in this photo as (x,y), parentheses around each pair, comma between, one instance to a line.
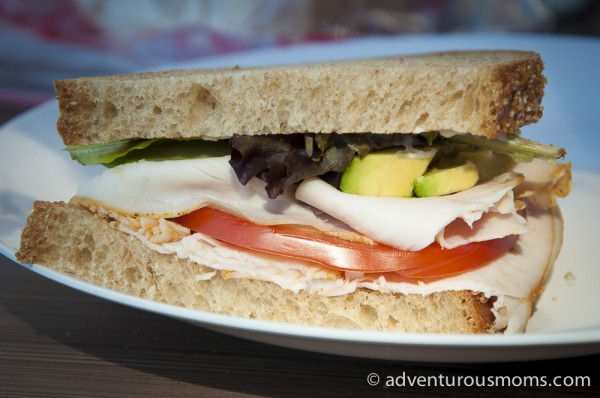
(485,93)
(85,246)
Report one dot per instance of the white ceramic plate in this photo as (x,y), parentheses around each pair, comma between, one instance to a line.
(566,323)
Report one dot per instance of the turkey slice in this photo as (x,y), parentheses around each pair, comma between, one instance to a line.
(415,223)
(545,180)
(172,188)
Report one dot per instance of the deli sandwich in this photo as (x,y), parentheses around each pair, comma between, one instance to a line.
(387,194)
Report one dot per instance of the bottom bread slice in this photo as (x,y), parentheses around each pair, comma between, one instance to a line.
(70,239)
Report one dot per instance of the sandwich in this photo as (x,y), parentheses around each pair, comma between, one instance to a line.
(393,194)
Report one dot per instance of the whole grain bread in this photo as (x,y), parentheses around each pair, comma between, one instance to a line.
(70,239)
(480,92)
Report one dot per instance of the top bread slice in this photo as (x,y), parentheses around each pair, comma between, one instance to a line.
(485,93)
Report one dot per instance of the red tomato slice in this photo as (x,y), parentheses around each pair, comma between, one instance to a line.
(312,245)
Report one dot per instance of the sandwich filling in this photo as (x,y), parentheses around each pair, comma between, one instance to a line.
(150,200)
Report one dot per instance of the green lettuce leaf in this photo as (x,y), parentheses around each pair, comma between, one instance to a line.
(283,160)
(115,153)
(521,149)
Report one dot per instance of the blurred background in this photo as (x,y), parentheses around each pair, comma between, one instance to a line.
(44,40)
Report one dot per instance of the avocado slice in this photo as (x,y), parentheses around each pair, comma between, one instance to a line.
(388,172)
(437,182)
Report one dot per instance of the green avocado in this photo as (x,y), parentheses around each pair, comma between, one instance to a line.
(389,172)
(437,182)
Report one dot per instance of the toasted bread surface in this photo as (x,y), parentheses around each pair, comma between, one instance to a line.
(485,93)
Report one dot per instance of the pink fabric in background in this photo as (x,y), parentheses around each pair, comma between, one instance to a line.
(42,41)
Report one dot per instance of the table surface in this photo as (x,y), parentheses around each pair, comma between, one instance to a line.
(55,341)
